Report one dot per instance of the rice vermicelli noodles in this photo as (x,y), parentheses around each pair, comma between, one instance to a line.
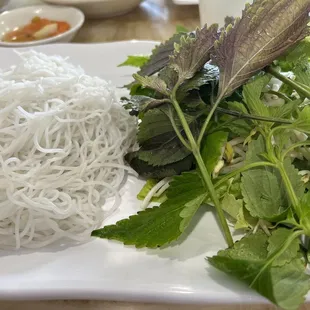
(63,137)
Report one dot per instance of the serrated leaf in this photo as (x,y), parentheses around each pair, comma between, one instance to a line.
(294,178)
(160,56)
(136,89)
(209,74)
(238,127)
(271,200)
(252,93)
(254,42)
(181,29)
(305,213)
(275,242)
(143,103)
(191,54)
(302,72)
(212,149)
(158,226)
(286,110)
(135,61)
(234,208)
(153,82)
(252,247)
(285,286)
(303,121)
(288,61)
(255,150)
(169,76)
(148,171)
(268,202)
(159,144)
(237,106)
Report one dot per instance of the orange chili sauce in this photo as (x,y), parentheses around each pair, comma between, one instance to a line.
(26,33)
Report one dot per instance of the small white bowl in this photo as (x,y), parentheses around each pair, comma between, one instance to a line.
(100,8)
(10,20)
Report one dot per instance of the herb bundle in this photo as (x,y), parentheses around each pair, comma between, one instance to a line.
(225,112)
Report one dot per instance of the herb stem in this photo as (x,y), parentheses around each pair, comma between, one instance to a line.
(206,177)
(289,188)
(177,131)
(269,146)
(252,117)
(182,119)
(284,79)
(280,95)
(279,163)
(294,146)
(202,167)
(242,169)
(207,121)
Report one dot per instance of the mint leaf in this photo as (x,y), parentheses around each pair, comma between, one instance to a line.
(252,247)
(254,42)
(294,177)
(181,29)
(150,183)
(168,75)
(159,143)
(148,171)
(237,106)
(212,149)
(209,74)
(305,213)
(275,242)
(252,92)
(160,56)
(291,58)
(158,226)
(302,72)
(234,208)
(237,127)
(269,202)
(284,285)
(153,82)
(286,110)
(191,179)
(255,150)
(136,89)
(191,54)
(135,61)
(303,121)
(141,103)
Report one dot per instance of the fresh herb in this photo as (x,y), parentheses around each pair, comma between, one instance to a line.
(181,29)
(220,103)
(135,61)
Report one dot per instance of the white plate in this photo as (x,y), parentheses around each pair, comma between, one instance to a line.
(104,269)
(186,2)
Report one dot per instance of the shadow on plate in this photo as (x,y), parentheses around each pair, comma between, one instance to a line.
(243,292)
(52,248)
